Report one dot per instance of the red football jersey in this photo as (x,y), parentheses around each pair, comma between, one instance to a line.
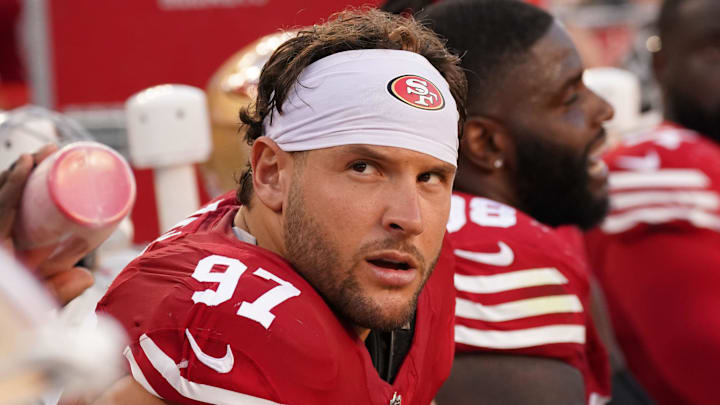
(215,320)
(657,256)
(523,288)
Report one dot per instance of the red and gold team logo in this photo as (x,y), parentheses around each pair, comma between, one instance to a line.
(417,92)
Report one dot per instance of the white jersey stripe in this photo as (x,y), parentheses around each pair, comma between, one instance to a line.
(518,309)
(683,178)
(597,399)
(617,223)
(509,281)
(137,372)
(521,338)
(702,199)
(192,390)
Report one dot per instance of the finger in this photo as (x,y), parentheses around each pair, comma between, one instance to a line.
(11,191)
(22,165)
(59,257)
(35,257)
(37,157)
(4,175)
(69,284)
(7,244)
(44,152)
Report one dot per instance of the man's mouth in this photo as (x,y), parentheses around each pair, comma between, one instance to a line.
(394,269)
(390,264)
(596,166)
(393,260)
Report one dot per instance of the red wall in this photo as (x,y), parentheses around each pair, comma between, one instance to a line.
(104,51)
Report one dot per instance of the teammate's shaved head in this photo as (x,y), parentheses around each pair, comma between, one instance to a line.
(667,19)
(686,65)
(490,36)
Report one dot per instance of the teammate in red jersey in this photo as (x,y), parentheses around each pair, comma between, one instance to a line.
(529,162)
(657,254)
(319,286)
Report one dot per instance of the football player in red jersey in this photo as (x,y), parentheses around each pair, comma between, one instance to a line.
(529,163)
(657,254)
(318,286)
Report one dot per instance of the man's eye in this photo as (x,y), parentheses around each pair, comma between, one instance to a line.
(362,167)
(572,99)
(359,166)
(433,178)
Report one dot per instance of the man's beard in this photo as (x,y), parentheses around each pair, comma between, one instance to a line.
(317,259)
(553,184)
(687,112)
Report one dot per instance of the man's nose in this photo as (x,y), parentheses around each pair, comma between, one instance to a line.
(403,213)
(603,111)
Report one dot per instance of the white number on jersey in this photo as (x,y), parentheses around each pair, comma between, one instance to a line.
(227,280)
(483,212)
(457,217)
(258,310)
(486,212)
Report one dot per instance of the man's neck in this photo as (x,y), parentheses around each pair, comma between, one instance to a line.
(492,185)
(492,193)
(264,226)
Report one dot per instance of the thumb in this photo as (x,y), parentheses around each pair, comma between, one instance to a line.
(68,284)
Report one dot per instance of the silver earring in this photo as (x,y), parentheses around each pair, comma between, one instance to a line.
(498,163)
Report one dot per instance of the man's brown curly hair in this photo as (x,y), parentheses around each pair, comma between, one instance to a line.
(347,30)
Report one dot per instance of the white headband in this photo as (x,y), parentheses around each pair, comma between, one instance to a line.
(378,97)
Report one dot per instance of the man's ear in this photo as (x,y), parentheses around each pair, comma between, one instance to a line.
(485,143)
(269,166)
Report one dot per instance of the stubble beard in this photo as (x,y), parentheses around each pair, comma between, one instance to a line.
(316,258)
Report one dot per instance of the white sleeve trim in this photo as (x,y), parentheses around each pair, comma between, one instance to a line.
(509,281)
(165,365)
(679,178)
(519,309)
(137,372)
(701,199)
(522,338)
(617,223)
(597,399)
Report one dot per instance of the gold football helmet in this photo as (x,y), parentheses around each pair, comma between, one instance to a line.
(234,85)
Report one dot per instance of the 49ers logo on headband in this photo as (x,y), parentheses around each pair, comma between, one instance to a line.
(417,92)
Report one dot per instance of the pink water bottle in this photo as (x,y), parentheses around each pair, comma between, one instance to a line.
(72,202)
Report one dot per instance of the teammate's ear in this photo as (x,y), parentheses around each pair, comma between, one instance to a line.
(484,143)
(268,162)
